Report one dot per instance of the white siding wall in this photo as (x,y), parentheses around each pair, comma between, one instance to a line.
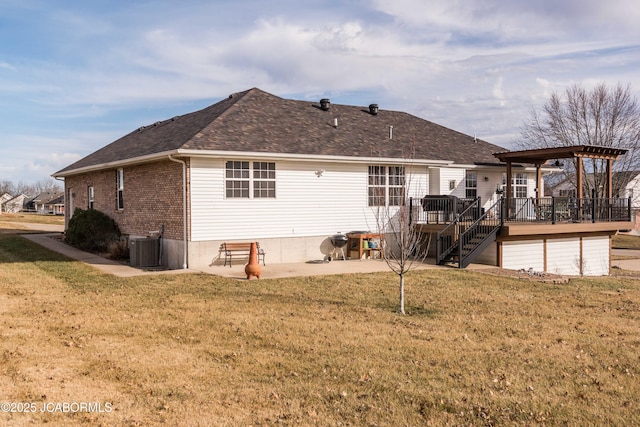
(434,181)
(595,251)
(305,205)
(563,256)
(487,189)
(439,183)
(525,254)
(450,174)
(633,192)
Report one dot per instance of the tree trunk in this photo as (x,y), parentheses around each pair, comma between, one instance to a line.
(401,309)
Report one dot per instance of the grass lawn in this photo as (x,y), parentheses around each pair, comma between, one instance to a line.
(195,349)
(11,218)
(12,222)
(625,241)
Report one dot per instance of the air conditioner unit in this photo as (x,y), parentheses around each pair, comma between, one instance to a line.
(143,252)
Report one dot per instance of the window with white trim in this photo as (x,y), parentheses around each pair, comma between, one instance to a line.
(518,184)
(386,186)
(396,185)
(264,180)
(90,197)
(471,185)
(120,189)
(237,179)
(244,179)
(377,184)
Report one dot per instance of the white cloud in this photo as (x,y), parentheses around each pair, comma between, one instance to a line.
(475,66)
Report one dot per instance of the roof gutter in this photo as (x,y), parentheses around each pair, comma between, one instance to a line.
(117,163)
(184,210)
(308,157)
(248,155)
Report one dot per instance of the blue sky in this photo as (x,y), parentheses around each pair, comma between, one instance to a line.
(76,75)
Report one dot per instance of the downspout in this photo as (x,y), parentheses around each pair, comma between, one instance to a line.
(184,208)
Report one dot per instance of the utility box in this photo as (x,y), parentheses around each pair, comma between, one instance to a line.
(144,252)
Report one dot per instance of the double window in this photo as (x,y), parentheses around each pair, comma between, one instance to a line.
(386,186)
(245,179)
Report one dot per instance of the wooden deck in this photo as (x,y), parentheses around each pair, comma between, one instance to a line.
(510,229)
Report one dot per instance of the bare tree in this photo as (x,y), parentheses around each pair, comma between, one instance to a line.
(6,186)
(403,245)
(603,116)
(45,185)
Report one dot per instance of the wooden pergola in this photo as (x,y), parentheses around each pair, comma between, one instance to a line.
(541,156)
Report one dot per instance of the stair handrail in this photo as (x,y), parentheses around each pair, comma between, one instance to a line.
(441,252)
(496,207)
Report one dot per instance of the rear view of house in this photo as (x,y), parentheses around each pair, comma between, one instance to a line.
(291,174)
(285,172)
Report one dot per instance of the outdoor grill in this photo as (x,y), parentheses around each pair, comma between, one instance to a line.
(339,241)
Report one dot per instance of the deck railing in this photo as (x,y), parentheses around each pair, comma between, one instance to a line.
(441,209)
(446,209)
(568,209)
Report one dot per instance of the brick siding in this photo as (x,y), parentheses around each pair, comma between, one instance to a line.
(152,196)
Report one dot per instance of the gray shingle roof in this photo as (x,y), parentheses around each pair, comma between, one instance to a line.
(256,121)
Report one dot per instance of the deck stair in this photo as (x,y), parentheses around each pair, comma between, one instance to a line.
(468,235)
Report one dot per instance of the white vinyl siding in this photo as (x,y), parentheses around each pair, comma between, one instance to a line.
(306,204)
(563,256)
(447,176)
(526,254)
(595,252)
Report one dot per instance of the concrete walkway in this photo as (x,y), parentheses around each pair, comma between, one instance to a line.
(52,241)
(632,264)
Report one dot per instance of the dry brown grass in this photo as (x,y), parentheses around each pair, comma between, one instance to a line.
(625,241)
(202,350)
(12,218)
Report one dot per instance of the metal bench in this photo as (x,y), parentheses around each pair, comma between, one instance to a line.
(240,248)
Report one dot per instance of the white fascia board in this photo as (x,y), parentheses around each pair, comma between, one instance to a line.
(308,158)
(118,163)
(249,155)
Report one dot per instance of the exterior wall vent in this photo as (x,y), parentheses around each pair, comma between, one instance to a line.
(324,104)
(373,109)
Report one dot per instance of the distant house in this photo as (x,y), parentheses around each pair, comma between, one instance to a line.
(5,197)
(626,184)
(290,174)
(15,204)
(47,203)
